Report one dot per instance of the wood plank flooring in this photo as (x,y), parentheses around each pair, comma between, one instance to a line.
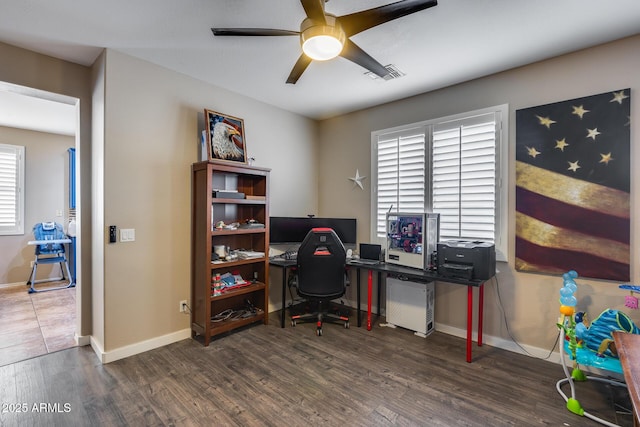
(268,376)
(35,324)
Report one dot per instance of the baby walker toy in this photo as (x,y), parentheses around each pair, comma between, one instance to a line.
(589,344)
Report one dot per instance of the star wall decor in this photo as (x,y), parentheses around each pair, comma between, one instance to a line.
(357,180)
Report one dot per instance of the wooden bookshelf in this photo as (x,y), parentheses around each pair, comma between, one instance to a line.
(207,213)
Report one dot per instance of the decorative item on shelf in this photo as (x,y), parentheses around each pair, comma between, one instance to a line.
(217,286)
(231,255)
(221,251)
(220,225)
(225,136)
(226,282)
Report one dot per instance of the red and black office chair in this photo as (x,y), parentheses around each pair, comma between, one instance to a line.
(321,265)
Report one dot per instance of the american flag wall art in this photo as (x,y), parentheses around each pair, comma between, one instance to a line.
(572,187)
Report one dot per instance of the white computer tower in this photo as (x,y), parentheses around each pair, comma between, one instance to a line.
(410,305)
(412,239)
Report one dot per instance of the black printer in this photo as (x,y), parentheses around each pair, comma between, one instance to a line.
(463,259)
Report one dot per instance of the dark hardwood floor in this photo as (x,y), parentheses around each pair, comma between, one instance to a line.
(268,376)
(35,324)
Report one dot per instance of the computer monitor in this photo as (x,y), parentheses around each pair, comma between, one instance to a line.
(292,230)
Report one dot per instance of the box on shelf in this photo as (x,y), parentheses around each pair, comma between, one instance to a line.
(223,194)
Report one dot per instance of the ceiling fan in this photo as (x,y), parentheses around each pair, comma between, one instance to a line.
(324,36)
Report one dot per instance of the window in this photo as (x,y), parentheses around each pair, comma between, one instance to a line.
(11,189)
(452,166)
(401,174)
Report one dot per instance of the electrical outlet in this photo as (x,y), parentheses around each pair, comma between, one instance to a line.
(183,306)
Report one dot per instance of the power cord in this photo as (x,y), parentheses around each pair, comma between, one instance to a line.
(506,323)
(230,314)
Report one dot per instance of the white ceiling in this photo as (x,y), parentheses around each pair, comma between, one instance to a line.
(455,41)
(22,111)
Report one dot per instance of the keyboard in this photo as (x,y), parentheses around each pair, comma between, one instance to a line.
(290,255)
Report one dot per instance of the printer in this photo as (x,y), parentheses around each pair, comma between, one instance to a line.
(471,260)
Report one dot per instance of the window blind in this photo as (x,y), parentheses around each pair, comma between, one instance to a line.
(11,194)
(464,178)
(401,174)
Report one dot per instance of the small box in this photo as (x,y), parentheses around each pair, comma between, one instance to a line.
(220,194)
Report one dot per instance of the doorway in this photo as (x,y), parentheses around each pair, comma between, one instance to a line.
(39,323)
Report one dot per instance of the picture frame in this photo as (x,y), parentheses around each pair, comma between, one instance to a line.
(225,137)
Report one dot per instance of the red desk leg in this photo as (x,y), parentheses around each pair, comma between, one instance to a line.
(469,321)
(369,290)
(480,316)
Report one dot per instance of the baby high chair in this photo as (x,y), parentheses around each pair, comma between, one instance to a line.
(49,243)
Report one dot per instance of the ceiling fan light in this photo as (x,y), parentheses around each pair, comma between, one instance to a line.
(322,42)
(322,48)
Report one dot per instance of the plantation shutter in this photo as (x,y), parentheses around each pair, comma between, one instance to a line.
(401,174)
(464,178)
(11,197)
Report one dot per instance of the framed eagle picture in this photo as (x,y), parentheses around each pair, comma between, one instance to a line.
(225,136)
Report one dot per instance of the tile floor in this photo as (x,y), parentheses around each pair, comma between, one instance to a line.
(35,324)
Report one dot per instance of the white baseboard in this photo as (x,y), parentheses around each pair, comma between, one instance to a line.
(97,349)
(11,285)
(527,350)
(501,343)
(140,347)
(82,340)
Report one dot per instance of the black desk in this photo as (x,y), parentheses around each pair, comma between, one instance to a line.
(402,272)
(285,264)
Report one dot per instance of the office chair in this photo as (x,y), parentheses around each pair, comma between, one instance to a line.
(321,264)
(49,243)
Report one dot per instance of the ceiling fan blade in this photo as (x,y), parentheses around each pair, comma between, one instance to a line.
(314,9)
(354,53)
(301,65)
(360,21)
(252,32)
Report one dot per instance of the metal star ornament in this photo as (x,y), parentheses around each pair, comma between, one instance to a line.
(357,180)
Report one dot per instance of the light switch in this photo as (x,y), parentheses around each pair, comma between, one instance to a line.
(127,234)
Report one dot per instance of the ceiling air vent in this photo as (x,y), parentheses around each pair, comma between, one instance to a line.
(394,73)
